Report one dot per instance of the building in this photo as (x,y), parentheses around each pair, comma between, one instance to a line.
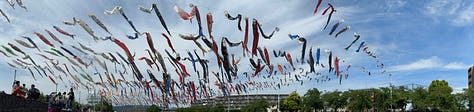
(236,102)
(470,77)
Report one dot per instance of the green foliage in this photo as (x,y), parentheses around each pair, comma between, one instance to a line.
(418,98)
(439,95)
(312,100)
(469,94)
(104,106)
(256,106)
(293,102)
(335,99)
(360,100)
(153,108)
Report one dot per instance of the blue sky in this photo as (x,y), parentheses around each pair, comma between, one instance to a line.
(418,41)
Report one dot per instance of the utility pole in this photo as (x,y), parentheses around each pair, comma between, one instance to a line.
(391,93)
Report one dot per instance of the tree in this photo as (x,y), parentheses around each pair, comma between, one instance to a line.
(335,99)
(359,100)
(312,99)
(104,106)
(460,100)
(292,102)
(470,98)
(400,97)
(418,98)
(153,108)
(439,95)
(256,106)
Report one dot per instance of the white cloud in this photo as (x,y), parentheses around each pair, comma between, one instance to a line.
(430,63)
(442,7)
(455,66)
(426,63)
(465,17)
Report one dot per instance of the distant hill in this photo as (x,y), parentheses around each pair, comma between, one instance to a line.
(10,103)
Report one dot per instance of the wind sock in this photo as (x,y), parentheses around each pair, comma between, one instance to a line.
(336,64)
(63,32)
(356,36)
(32,42)
(20,3)
(11,3)
(360,46)
(330,14)
(311,60)
(53,36)
(16,48)
(130,58)
(245,49)
(330,59)
(189,36)
(46,41)
(52,80)
(169,41)
(263,34)
(118,9)
(303,49)
(238,17)
(8,50)
(4,15)
(290,60)
(184,15)
(209,23)
(255,37)
(343,30)
(98,22)
(335,26)
(84,26)
(317,7)
(158,14)
(24,44)
(318,55)
(293,37)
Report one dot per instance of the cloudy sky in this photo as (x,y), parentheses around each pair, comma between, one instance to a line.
(417,41)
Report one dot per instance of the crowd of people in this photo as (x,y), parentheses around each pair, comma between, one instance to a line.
(56,100)
(59,101)
(24,93)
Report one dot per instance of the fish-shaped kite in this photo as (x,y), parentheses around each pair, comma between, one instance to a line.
(84,26)
(98,22)
(63,32)
(303,48)
(238,18)
(53,36)
(118,9)
(46,41)
(335,26)
(343,30)
(356,36)
(158,14)
(330,14)
(4,15)
(255,37)
(317,6)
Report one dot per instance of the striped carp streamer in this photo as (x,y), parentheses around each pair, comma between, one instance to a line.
(98,22)
(83,25)
(356,36)
(5,15)
(118,9)
(158,14)
(238,18)
(63,32)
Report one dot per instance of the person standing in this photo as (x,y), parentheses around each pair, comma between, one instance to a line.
(71,98)
(17,90)
(33,93)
